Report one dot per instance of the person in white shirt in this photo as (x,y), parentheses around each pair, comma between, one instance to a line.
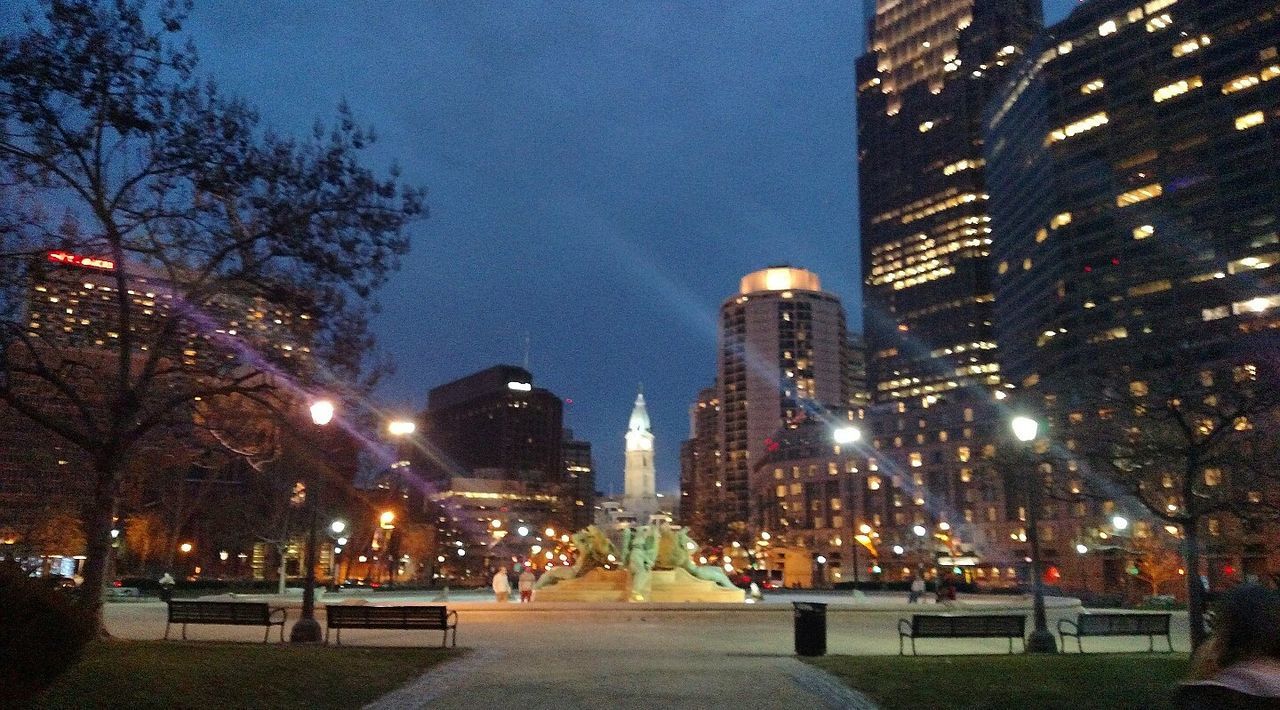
(501,585)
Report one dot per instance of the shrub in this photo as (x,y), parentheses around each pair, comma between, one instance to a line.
(42,634)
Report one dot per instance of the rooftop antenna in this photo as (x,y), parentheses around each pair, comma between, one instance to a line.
(526,351)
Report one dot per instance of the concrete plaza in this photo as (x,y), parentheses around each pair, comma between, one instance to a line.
(594,656)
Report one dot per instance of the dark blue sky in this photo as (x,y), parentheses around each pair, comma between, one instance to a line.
(601,174)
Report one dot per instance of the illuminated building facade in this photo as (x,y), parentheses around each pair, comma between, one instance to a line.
(580,478)
(71,316)
(498,461)
(72,305)
(784,355)
(1134,168)
(926,235)
(701,502)
(640,495)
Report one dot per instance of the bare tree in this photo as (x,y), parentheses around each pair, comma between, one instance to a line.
(112,149)
(1189,442)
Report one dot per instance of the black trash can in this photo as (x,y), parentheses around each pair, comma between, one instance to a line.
(811,628)
(166,594)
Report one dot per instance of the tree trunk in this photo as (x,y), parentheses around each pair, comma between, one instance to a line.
(98,544)
(1195,590)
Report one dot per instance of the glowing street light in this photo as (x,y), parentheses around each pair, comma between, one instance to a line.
(846,435)
(549,532)
(338,526)
(322,412)
(1025,428)
(185,547)
(1120,522)
(401,427)
(522,531)
(1082,548)
(387,520)
(919,530)
(864,529)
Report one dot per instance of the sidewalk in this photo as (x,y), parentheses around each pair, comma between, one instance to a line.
(622,679)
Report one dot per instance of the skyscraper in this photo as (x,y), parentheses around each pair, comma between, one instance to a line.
(925,227)
(935,381)
(1135,180)
(783,356)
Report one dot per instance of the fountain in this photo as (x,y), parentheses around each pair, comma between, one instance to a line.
(648,563)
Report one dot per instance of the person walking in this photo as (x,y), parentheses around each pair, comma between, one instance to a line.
(1239,666)
(501,585)
(526,584)
(917,590)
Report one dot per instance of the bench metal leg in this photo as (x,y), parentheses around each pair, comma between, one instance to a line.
(1169,639)
(184,632)
(913,645)
(1151,644)
(266,632)
(326,635)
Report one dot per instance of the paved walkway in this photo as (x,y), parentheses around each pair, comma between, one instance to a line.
(553,656)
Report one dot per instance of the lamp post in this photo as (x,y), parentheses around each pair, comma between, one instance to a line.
(307,629)
(1040,641)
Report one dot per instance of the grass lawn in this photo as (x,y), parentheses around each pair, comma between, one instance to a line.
(1025,681)
(167,674)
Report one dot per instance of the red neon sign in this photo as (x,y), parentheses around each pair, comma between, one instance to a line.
(88,262)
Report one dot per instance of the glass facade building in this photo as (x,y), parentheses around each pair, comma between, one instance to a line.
(1133,164)
(925,231)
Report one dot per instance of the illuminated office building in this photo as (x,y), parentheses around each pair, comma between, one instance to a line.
(925,229)
(1134,170)
(784,352)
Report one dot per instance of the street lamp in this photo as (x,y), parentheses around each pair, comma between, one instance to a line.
(307,629)
(401,427)
(1041,641)
(846,435)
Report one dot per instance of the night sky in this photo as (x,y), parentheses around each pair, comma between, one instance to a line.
(601,174)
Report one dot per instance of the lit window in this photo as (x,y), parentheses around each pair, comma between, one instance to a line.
(1061,219)
(1177,88)
(1241,83)
(873,483)
(1143,231)
(926,126)
(1106,28)
(1186,47)
(1087,123)
(1157,5)
(1092,86)
(1215,314)
(1270,72)
(1249,120)
(916,458)
(1065,48)
(1255,305)
(1141,194)
(1041,235)
(1159,22)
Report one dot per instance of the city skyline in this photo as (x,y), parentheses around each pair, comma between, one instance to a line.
(746,110)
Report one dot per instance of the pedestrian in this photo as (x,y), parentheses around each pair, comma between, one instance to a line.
(1239,666)
(526,584)
(166,587)
(917,590)
(501,585)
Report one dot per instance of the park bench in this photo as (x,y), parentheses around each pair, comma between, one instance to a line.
(229,613)
(363,616)
(1116,624)
(957,626)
